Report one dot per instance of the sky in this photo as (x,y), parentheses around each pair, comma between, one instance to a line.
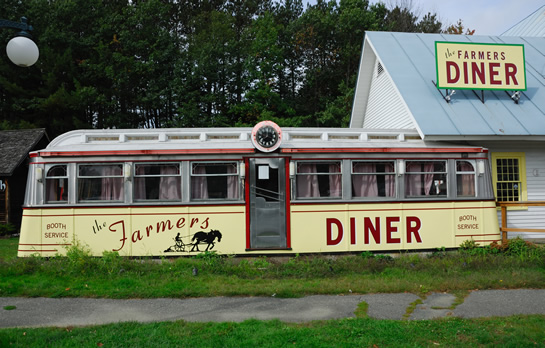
(487,17)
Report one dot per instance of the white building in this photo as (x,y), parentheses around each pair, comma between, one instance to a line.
(396,89)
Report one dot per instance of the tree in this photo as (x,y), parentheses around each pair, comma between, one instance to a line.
(171,63)
(429,24)
(458,29)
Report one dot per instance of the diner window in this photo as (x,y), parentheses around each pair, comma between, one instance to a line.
(100,182)
(465,179)
(509,176)
(373,179)
(214,180)
(425,178)
(157,182)
(319,179)
(56,184)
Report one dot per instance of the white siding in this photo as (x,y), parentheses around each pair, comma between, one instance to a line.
(533,217)
(363,86)
(385,107)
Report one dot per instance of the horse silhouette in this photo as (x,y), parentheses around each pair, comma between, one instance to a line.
(205,238)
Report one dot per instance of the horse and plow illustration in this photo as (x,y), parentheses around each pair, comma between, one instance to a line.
(197,238)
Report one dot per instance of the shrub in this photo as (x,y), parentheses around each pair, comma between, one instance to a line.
(79,259)
(367,255)
(110,262)
(469,244)
(7,229)
(470,247)
(210,260)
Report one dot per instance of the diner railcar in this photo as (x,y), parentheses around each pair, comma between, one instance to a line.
(250,191)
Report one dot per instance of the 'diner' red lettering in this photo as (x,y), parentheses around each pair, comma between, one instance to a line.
(329,232)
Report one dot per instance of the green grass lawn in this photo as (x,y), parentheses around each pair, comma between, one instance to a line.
(519,265)
(112,276)
(8,248)
(516,331)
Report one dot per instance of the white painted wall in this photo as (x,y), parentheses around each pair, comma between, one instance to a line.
(385,107)
(533,217)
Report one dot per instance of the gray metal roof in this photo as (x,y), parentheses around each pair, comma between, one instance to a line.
(533,25)
(409,59)
(15,146)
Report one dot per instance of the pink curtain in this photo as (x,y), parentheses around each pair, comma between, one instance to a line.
(112,187)
(140,184)
(199,186)
(169,186)
(232,182)
(335,181)
(389,181)
(55,190)
(428,177)
(414,181)
(466,181)
(307,185)
(365,185)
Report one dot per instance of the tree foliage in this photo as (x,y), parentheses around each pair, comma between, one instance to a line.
(202,63)
(458,29)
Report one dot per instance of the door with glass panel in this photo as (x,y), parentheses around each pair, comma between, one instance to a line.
(267,203)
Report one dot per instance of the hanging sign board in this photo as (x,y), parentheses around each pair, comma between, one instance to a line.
(480,66)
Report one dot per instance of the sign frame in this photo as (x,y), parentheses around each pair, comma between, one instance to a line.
(441,82)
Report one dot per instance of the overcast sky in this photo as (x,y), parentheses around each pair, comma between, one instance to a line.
(487,17)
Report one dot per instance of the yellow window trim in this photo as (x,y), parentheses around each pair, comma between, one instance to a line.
(521,156)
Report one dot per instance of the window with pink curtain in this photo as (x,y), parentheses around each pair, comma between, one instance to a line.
(157,182)
(215,180)
(425,178)
(56,184)
(318,179)
(100,182)
(371,179)
(465,179)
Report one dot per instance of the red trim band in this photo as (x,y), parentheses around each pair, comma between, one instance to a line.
(384,150)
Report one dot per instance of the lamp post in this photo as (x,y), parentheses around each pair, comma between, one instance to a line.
(21,50)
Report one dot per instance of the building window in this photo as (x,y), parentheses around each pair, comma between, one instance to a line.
(425,179)
(465,178)
(214,180)
(100,182)
(157,182)
(373,179)
(509,176)
(319,179)
(56,184)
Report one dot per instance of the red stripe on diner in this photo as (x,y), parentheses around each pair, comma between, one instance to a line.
(192,206)
(136,214)
(384,150)
(478,235)
(37,251)
(487,240)
(46,244)
(142,152)
(395,209)
(356,202)
(146,161)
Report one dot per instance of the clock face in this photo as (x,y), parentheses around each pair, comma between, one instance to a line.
(266,136)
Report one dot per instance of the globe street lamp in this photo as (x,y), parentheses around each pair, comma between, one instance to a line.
(21,50)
